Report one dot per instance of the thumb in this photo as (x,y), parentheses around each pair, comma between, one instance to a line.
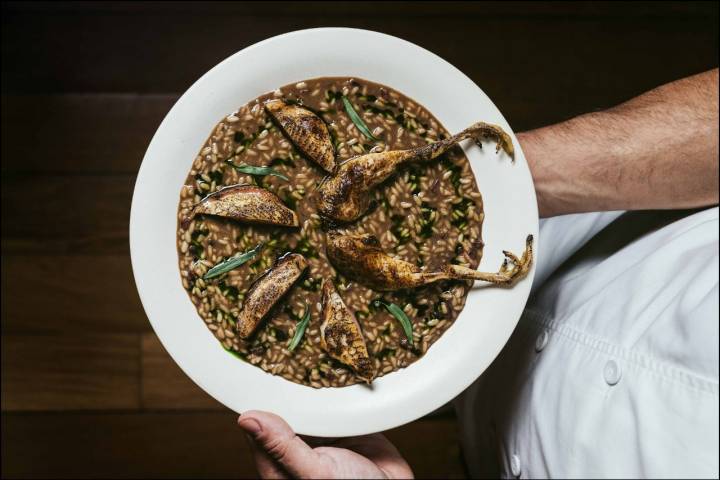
(274,436)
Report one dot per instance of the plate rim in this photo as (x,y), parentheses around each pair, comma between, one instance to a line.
(134,239)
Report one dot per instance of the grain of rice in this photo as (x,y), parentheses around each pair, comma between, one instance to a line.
(225,238)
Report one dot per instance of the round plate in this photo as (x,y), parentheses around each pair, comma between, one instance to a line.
(466,348)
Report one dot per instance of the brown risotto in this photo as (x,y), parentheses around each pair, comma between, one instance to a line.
(429,214)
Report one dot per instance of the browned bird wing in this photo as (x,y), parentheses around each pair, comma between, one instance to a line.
(247,203)
(267,290)
(341,336)
(306,130)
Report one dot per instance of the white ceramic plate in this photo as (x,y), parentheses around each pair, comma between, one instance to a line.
(457,358)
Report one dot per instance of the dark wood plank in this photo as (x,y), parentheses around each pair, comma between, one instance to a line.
(165,386)
(61,372)
(568,62)
(66,214)
(45,134)
(68,164)
(176,445)
(389,8)
(79,133)
(124,445)
(71,294)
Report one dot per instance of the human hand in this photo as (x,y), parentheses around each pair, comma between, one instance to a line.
(279,453)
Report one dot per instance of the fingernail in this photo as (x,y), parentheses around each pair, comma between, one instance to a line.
(251,426)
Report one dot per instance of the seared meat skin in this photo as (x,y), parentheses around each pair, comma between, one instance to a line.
(361,258)
(267,290)
(345,196)
(306,130)
(341,336)
(247,203)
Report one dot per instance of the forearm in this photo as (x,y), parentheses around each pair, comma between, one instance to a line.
(656,151)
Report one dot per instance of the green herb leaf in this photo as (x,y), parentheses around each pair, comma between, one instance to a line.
(234,353)
(232,263)
(259,171)
(398,313)
(300,330)
(359,123)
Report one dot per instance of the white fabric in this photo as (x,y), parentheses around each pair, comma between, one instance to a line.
(613,369)
(561,237)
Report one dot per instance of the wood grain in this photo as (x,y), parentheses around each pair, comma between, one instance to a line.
(66,214)
(165,386)
(79,293)
(176,445)
(49,133)
(70,372)
(87,389)
(124,445)
(556,65)
(490,9)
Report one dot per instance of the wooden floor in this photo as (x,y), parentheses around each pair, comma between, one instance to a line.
(87,389)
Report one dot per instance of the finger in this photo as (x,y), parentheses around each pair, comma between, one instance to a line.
(266,466)
(378,449)
(275,437)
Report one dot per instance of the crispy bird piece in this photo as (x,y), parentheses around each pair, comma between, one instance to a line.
(306,130)
(267,290)
(341,336)
(247,203)
(360,257)
(345,196)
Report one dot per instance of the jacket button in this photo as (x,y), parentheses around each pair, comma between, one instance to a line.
(612,372)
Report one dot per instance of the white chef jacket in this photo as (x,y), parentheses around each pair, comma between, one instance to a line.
(612,370)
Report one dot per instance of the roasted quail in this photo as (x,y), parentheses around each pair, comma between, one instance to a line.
(346,196)
(361,258)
